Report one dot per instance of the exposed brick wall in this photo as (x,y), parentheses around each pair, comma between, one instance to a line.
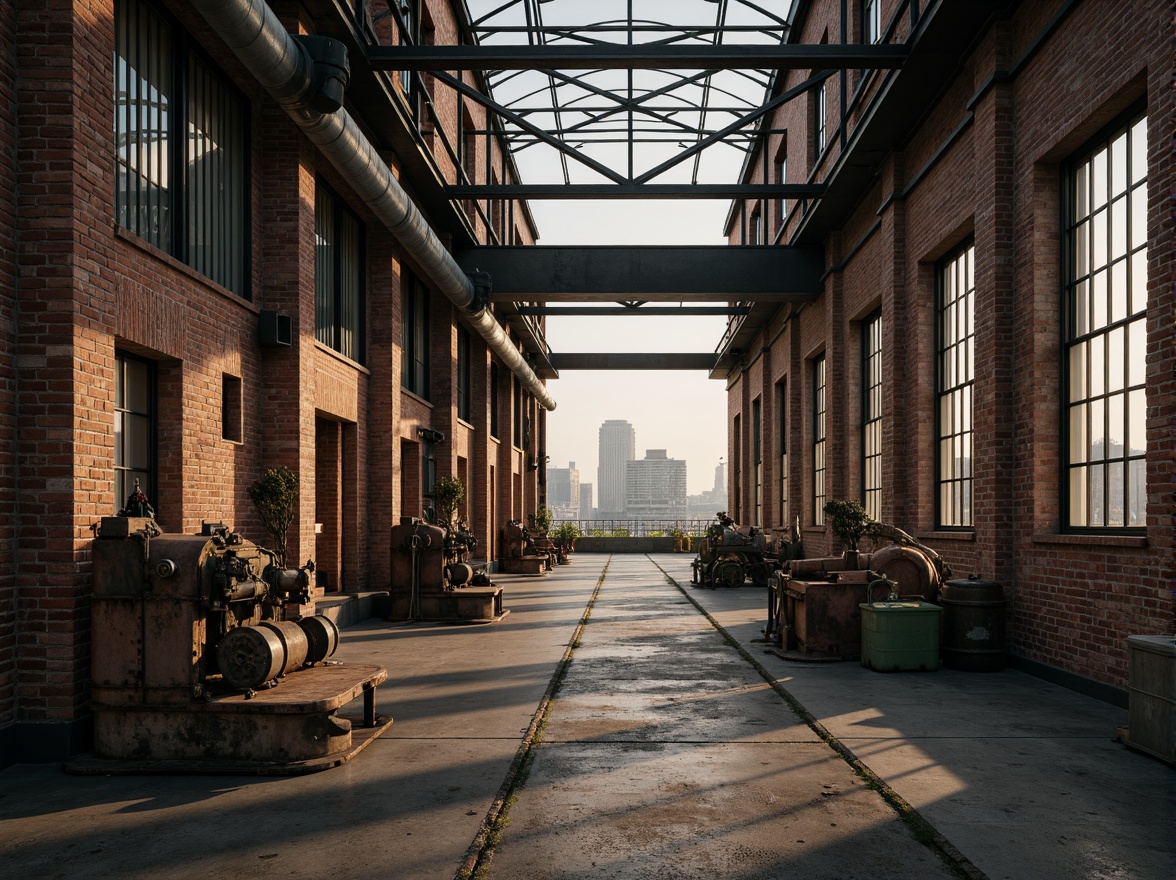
(74,291)
(1074,598)
(9,269)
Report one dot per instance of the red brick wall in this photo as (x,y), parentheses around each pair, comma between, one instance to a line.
(74,291)
(1074,598)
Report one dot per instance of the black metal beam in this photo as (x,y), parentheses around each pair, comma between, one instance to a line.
(649,311)
(639,191)
(699,274)
(642,361)
(649,56)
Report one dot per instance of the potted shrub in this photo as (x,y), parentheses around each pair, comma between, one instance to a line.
(541,519)
(679,537)
(448,493)
(275,496)
(565,535)
(850,523)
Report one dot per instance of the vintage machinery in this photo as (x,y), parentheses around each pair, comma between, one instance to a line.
(193,669)
(813,606)
(433,579)
(521,551)
(728,555)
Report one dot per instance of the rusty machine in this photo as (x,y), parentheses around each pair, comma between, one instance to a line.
(525,550)
(728,555)
(813,603)
(194,669)
(433,578)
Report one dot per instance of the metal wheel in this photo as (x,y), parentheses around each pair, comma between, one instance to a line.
(729,574)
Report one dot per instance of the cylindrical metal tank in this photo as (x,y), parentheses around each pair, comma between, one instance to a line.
(973,625)
(249,656)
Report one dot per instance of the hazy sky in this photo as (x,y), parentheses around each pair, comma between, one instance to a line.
(682,412)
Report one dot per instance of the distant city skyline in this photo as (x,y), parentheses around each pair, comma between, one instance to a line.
(681,411)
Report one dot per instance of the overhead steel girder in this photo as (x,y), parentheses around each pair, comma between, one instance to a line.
(625,311)
(722,191)
(536,274)
(634,361)
(649,56)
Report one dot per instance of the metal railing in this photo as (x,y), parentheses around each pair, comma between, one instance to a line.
(638,528)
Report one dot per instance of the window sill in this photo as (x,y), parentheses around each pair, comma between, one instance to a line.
(946,536)
(342,358)
(415,397)
(465,424)
(1095,540)
(183,268)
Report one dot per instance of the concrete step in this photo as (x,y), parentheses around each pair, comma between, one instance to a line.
(348,609)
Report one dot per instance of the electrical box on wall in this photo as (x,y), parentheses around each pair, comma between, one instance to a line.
(275,329)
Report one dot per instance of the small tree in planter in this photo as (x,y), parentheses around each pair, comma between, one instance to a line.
(565,535)
(850,523)
(275,496)
(541,519)
(448,493)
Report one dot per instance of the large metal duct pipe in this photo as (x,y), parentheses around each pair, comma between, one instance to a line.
(283,67)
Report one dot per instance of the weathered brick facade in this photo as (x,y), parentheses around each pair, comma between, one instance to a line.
(983,165)
(76,289)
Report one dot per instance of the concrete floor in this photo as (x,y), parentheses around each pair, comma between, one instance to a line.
(665,753)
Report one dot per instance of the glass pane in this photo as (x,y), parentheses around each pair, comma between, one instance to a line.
(966,409)
(946,425)
(1136,493)
(1097,447)
(1080,310)
(945,461)
(1115,493)
(1118,163)
(1098,240)
(1136,352)
(1082,250)
(1139,150)
(1082,191)
(1098,300)
(119,441)
(1115,361)
(1138,217)
(1120,295)
(120,489)
(966,456)
(1097,366)
(1077,377)
(137,386)
(1138,281)
(1079,442)
(1079,510)
(1116,425)
(138,442)
(1119,228)
(1137,422)
(1098,180)
(1097,496)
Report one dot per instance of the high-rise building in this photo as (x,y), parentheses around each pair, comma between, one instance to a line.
(618,446)
(563,491)
(655,487)
(586,511)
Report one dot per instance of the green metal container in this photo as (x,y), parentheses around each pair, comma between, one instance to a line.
(899,636)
